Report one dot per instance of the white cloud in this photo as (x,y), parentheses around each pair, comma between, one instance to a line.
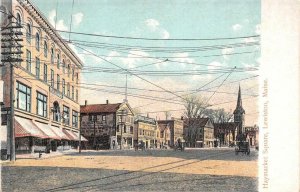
(249,40)
(77,18)
(81,56)
(152,24)
(165,34)
(227,51)
(237,27)
(60,24)
(134,57)
(183,57)
(214,65)
(257,29)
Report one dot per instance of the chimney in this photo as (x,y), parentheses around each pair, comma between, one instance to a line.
(106,101)
(85,102)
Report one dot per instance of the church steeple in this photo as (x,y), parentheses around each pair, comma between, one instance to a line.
(239,100)
(239,112)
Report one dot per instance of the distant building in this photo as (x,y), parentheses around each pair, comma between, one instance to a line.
(199,132)
(176,129)
(103,128)
(163,135)
(225,133)
(252,134)
(144,130)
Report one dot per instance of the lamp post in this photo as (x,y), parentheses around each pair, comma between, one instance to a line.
(79,146)
(122,114)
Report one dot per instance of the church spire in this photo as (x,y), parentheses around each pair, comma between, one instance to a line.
(239,100)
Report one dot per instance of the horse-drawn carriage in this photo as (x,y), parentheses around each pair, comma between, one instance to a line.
(243,147)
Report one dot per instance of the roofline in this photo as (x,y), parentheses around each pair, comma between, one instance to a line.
(50,29)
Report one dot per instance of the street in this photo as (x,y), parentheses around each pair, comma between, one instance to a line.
(151,170)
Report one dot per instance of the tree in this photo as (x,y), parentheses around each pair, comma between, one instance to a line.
(195,107)
(218,115)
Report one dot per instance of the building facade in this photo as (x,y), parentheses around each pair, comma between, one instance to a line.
(252,133)
(105,128)
(145,131)
(45,85)
(163,136)
(226,133)
(199,132)
(176,129)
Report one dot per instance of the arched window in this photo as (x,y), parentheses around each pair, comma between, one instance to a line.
(28,33)
(64,66)
(45,49)
(56,111)
(37,41)
(69,71)
(58,61)
(52,55)
(19,19)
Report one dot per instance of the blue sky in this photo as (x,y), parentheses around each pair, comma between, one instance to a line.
(176,19)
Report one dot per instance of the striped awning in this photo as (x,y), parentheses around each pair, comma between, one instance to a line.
(46,128)
(58,131)
(82,138)
(74,136)
(26,128)
(70,134)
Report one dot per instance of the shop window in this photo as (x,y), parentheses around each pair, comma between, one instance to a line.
(66,115)
(41,104)
(23,97)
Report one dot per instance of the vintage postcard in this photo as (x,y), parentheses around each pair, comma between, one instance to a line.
(132,95)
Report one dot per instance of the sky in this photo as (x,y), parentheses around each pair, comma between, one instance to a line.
(175,47)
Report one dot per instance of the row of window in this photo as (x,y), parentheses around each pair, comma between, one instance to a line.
(24,103)
(125,129)
(66,90)
(94,118)
(145,132)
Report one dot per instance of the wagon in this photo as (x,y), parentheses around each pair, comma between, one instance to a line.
(243,147)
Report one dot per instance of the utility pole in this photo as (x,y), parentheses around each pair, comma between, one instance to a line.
(79,146)
(11,54)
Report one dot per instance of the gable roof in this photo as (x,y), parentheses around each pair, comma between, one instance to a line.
(201,122)
(100,108)
(163,126)
(228,125)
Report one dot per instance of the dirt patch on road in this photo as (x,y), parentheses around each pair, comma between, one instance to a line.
(149,164)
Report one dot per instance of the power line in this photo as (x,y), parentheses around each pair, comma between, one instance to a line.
(155,39)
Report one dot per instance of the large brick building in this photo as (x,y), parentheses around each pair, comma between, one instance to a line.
(45,85)
(102,126)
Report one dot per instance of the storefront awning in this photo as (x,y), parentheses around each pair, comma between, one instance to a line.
(47,130)
(71,136)
(26,128)
(82,138)
(58,131)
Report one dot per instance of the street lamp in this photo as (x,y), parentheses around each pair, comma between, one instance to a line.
(121,114)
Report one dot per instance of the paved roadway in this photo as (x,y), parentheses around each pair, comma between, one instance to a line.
(153,170)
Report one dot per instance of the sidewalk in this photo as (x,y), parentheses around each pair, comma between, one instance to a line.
(43,156)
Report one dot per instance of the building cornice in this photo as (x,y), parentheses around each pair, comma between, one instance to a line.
(48,28)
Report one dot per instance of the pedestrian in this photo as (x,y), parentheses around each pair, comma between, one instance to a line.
(113,144)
